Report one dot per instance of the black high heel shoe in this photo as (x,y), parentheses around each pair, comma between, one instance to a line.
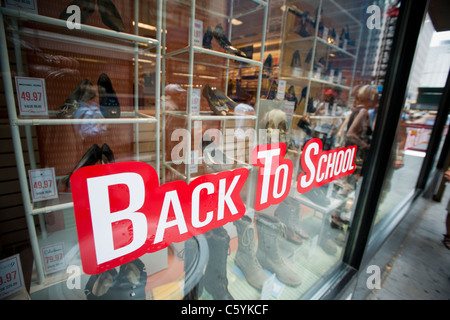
(207,38)
(296,62)
(90,158)
(109,104)
(107,154)
(219,35)
(215,104)
(110,16)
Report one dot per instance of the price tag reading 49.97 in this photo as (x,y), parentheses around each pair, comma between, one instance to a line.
(11,277)
(31,96)
(43,184)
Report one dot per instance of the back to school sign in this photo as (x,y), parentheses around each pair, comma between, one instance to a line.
(122,212)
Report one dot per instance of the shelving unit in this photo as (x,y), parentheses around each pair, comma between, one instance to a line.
(194,56)
(327,63)
(133,44)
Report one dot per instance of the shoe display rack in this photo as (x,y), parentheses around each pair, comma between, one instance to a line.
(318,62)
(315,61)
(25,38)
(199,65)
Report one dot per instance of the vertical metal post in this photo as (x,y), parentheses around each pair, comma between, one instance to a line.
(136,77)
(253,170)
(163,89)
(15,133)
(435,138)
(158,88)
(189,92)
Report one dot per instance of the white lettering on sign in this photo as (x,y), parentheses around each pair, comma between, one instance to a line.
(321,167)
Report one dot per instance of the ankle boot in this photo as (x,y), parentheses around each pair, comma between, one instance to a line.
(270,230)
(288,213)
(215,279)
(245,257)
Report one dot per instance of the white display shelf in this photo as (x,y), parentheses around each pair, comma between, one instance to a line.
(206,115)
(138,45)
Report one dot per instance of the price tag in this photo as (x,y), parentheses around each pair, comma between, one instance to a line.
(11,277)
(198,33)
(266,292)
(25,5)
(43,184)
(195,101)
(31,96)
(288,108)
(325,34)
(281,89)
(53,257)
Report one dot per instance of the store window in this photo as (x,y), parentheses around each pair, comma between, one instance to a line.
(426,85)
(217,159)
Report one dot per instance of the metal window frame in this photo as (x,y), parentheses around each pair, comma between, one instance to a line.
(410,20)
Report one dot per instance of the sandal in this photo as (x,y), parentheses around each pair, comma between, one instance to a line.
(446,241)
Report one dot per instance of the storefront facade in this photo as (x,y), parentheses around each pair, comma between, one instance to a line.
(212,149)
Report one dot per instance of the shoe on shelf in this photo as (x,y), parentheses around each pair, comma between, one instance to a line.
(109,104)
(267,66)
(288,213)
(219,35)
(224,99)
(83,93)
(130,282)
(110,16)
(296,60)
(90,158)
(107,154)
(270,232)
(215,279)
(215,104)
(290,94)
(207,39)
(318,196)
(245,257)
(308,56)
(99,286)
(304,124)
(273,89)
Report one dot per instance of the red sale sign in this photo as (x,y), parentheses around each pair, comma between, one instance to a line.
(122,212)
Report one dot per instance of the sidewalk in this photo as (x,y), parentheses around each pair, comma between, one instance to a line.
(419,264)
